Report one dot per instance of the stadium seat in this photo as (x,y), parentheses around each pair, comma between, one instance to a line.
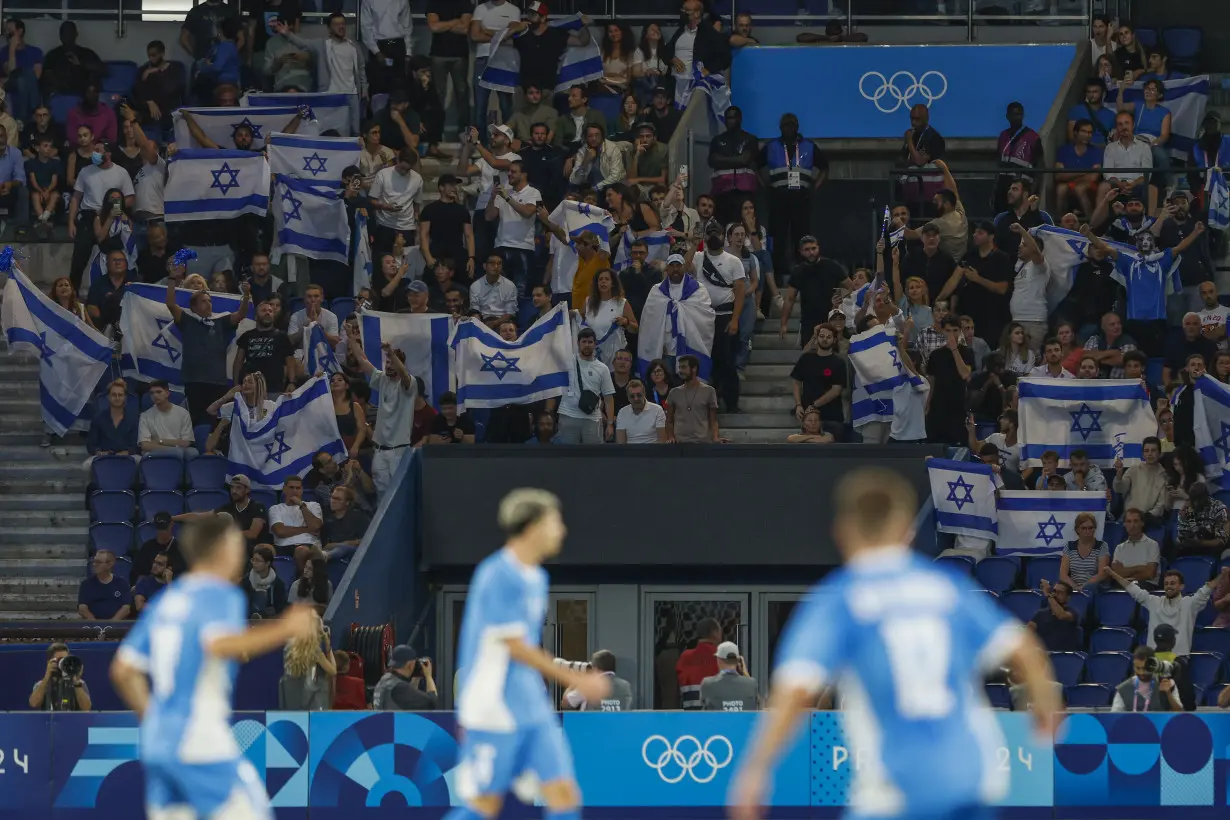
(293,305)
(1113,535)
(120,76)
(337,569)
(61,104)
(343,306)
(1110,668)
(153,502)
(998,695)
(113,472)
(284,566)
(207,473)
(985,428)
(1184,44)
(266,497)
(1196,569)
(957,563)
(1112,639)
(206,500)
(1115,608)
(1206,616)
(112,535)
(987,593)
(1043,567)
(200,435)
(1211,693)
(112,506)
(1069,667)
(996,574)
(146,531)
(1148,38)
(162,473)
(1088,695)
(1205,667)
(1080,602)
(1022,603)
(1212,639)
(123,568)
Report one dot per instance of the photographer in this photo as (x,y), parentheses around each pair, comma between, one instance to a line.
(398,690)
(1151,689)
(61,689)
(732,689)
(619,698)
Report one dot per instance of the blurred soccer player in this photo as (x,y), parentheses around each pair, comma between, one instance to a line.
(908,647)
(188,643)
(513,740)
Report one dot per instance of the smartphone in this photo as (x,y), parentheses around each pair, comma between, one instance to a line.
(683,175)
(116,210)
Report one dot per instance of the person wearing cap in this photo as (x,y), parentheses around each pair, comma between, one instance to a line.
(416,298)
(676,310)
(569,132)
(445,231)
(576,426)
(732,689)
(515,207)
(249,516)
(163,541)
(662,113)
(489,18)
(490,167)
(649,160)
(1057,623)
(793,168)
(399,689)
(1195,267)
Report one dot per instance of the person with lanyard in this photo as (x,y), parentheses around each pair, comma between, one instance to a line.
(1020,150)
(793,169)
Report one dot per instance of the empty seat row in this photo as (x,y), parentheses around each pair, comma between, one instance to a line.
(158,473)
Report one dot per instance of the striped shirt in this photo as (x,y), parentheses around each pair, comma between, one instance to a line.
(1082,568)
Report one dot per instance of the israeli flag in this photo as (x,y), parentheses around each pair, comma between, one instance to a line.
(318,353)
(866,408)
(310,221)
(1186,99)
(1211,425)
(577,217)
(503,71)
(491,372)
(319,160)
(688,321)
(1107,418)
(876,360)
(362,245)
(658,246)
(1216,189)
(964,496)
(715,88)
(204,184)
(580,65)
(152,347)
(328,112)
(272,449)
(220,124)
(1065,251)
(423,337)
(72,355)
(96,268)
(1033,523)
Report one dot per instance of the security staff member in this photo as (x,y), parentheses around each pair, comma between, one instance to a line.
(731,689)
(793,168)
(619,697)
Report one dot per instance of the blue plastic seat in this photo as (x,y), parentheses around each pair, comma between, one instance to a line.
(1110,668)
(1116,608)
(1184,44)
(113,535)
(1069,667)
(337,569)
(1044,567)
(1023,603)
(162,472)
(123,568)
(284,566)
(342,306)
(998,695)
(1088,695)
(957,563)
(207,472)
(1147,37)
(153,502)
(266,497)
(112,506)
(1211,693)
(293,305)
(996,573)
(61,104)
(206,500)
(146,531)
(120,76)
(113,472)
(1080,601)
(1112,639)
(1196,569)
(1205,667)
(1212,639)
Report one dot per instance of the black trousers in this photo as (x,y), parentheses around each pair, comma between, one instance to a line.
(199,396)
(83,246)
(725,378)
(385,78)
(789,221)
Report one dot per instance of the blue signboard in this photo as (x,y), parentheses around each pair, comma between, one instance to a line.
(861,91)
(25,764)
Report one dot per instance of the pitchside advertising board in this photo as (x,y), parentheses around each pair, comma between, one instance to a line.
(864,91)
(357,765)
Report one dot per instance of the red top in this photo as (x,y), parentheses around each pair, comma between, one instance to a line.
(693,666)
(350,693)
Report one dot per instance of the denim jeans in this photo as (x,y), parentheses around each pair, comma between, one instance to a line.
(517,268)
(482,98)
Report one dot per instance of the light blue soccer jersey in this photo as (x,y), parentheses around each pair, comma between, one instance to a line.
(506,599)
(906,647)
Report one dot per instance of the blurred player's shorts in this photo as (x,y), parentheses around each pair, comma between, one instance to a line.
(230,790)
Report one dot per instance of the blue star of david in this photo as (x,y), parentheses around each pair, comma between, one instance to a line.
(256,129)
(1056,528)
(896,362)
(162,342)
(315,164)
(882,408)
(46,352)
(1086,421)
(279,441)
(233,182)
(583,208)
(500,365)
(290,207)
(1223,443)
(967,495)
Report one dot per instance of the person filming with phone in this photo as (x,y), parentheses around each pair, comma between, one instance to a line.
(408,685)
(61,689)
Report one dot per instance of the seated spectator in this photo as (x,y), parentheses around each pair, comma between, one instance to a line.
(159,87)
(20,67)
(249,516)
(41,125)
(1153,123)
(623,129)
(1203,525)
(570,129)
(1081,161)
(649,160)
(534,109)
(265,591)
(1179,349)
(93,114)
(327,475)
(492,296)
(164,541)
(449,427)
(45,178)
(989,454)
(1085,561)
(345,524)
(639,421)
(1138,557)
(1108,347)
(598,162)
(349,691)
(544,429)
(1143,485)
(295,523)
(313,586)
(1092,109)
(1172,607)
(1052,361)
(165,428)
(149,586)
(103,596)
(1128,153)
(1084,475)
(1183,470)
(1056,623)
(1143,692)
(113,430)
(68,67)
(811,430)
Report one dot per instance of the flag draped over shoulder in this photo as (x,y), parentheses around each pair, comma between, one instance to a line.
(1211,425)
(1107,418)
(1186,99)
(205,184)
(687,320)
(1035,523)
(876,360)
(1064,251)
(329,112)
(866,408)
(964,496)
(1215,186)
(310,221)
(577,66)
(319,160)
(423,337)
(73,357)
(219,124)
(491,372)
(272,449)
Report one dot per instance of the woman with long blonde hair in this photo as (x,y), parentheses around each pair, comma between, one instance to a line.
(310,669)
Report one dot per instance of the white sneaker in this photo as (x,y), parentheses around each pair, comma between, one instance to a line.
(44,216)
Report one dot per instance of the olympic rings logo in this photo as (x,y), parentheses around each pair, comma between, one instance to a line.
(686,756)
(901,88)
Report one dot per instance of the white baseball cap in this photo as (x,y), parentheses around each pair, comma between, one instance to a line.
(728,651)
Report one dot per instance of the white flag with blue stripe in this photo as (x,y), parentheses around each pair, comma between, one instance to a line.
(503,71)
(715,88)
(204,184)
(1211,425)
(423,337)
(1107,418)
(1064,251)
(687,321)
(310,221)
(220,124)
(876,360)
(1186,99)
(866,408)
(73,357)
(272,449)
(1033,523)
(657,245)
(579,65)
(319,160)
(491,372)
(577,217)
(96,268)
(963,493)
(362,245)
(1216,189)
(318,354)
(152,346)
(327,112)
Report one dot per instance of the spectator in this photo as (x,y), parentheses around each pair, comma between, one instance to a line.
(648,164)
(640,422)
(931,337)
(287,66)
(1005,441)
(1093,110)
(339,63)
(221,65)
(544,164)
(1143,485)
(490,17)
(616,49)
(350,692)
(1023,211)
(1014,347)
(1056,623)
(41,125)
(344,524)
(928,263)
(149,586)
(68,67)
(21,64)
(1131,155)
(1081,161)
(1158,63)
(397,194)
(113,430)
(619,697)
(813,281)
(544,429)
(533,110)
(1142,691)
(1083,475)
(57,691)
(1172,607)
(1221,601)
(1180,349)
(988,454)
(698,663)
(662,113)
(493,297)
(386,32)
(1020,150)
(982,282)
(1152,122)
(374,156)
(491,166)
(1130,56)
(819,377)
(1085,561)
(395,421)
(154,260)
(449,21)
(449,426)
(1107,348)
(89,194)
(949,371)
(598,162)
(99,118)
(165,428)
(793,169)
(691,408)
(1138,557)
(542,46)
(265,591)
(973,342)
(584,404)
(648,66)
(163,542)
(309,668)
(1183,401)
(103,596)
(1052,361)
(811,430)
(205,342)
(313,311)
(621,376)
(609,314)
(399,124)
(1203,525)
(295,523)
(327,475)
(639,276)
(266,350)
(732,689)
(515,207)
(724,278)
(1102,40)
(1195,267)
(398,690)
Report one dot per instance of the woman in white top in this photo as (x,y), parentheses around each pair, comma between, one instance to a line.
(617,56)
(254,394)
(910,398)
(1103,39)
(1018,358)
(608,314)
(648,68)
(62,293)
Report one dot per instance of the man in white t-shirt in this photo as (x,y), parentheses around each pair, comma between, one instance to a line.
(396,194)
(295,523)
(723,276)
(1138,558)
(394,425)
(577,426)
(488,19)
(90,190)
(1028,302)
(313,310)
(640,422)
(515,207)
(491,168)
(1213,316)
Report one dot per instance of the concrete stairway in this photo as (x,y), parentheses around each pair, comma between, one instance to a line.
(766,402)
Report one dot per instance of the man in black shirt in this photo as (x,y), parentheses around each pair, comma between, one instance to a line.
(982,284)
(445,229)
(543,165)
(541,47)
(249,516)
(266,350)
(200,28)
(814,279)
(1023,210)
(449,21)
(949,370)
(399,125)
(163,541)
(662,113)
(68,67)
(1195,264)
(1191,343)
(929,263)
(152,260)
(449,427)
(732,156)
(398,690)
(818,378)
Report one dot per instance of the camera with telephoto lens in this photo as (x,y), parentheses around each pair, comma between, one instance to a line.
(1163,669)
(71,666)
(572,666)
